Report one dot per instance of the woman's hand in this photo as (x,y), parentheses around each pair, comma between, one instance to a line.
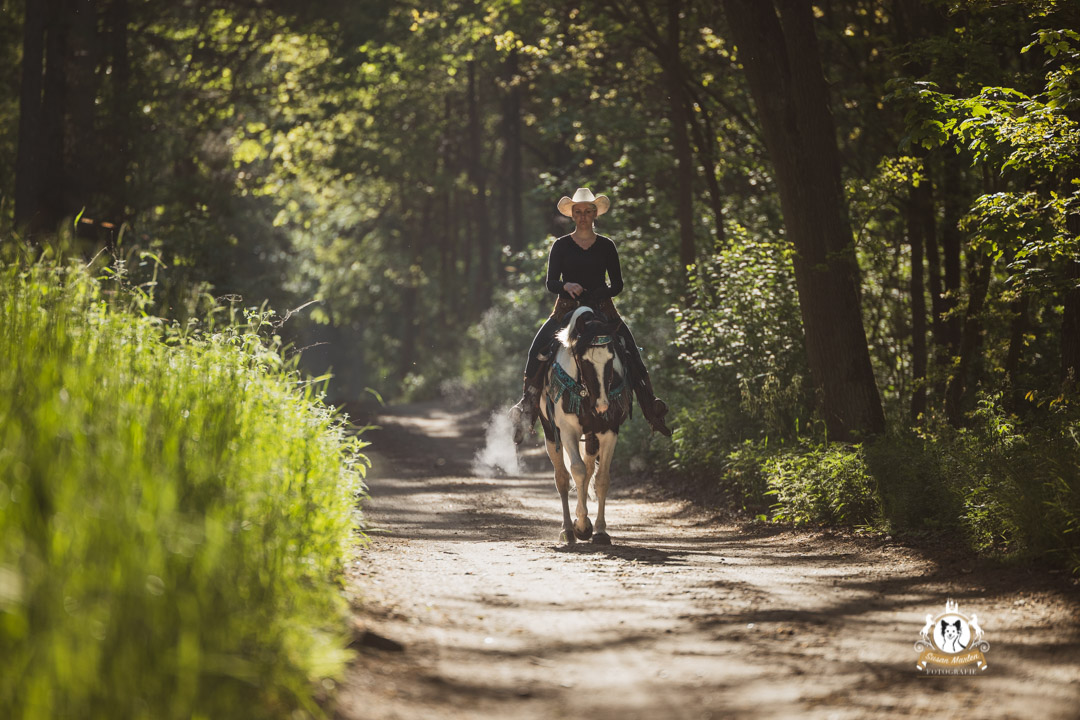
(573,289)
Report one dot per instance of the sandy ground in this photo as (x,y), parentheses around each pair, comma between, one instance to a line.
(468,606)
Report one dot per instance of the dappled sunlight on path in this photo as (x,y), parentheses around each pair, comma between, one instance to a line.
(679,618)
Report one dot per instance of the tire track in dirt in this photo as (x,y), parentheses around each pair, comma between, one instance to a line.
(682,617)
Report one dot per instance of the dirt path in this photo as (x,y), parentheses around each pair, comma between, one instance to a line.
(681,618)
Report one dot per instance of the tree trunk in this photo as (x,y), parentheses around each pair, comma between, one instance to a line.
(680,136)
(916,212)
(513,151)
(1018,328)
(953,205)
(481,222)
(120,114)
(783,69)
(54,187)
(966,376)
(705,137)
(84,160)
(1070,316)
(30,150)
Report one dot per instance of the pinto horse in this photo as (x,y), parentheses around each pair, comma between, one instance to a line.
(585,398)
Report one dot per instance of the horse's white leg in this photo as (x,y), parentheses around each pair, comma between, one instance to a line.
(582,526)
(562,483)
(603,482)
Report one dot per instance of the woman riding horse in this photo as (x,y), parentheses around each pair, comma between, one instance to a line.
(577,266)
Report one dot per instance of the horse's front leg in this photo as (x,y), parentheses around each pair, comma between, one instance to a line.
(562,483)
(582,526)
(603,482)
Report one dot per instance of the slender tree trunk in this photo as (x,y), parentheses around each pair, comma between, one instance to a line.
(950,250)
(1070,316)
(513,150)
(1018,328)
(30,151)
(783,69)
(966,376)
(680,136)
(916,212)
(54,187)
(940,346)
(481,222)
(705,137)
(120,120)
(84,161)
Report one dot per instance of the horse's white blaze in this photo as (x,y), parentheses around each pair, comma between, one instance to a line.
(599,357)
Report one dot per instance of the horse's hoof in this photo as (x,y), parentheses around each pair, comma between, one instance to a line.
(586,533)
(601,538)
(569,540)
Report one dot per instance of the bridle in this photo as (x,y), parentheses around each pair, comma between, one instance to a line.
(582,389)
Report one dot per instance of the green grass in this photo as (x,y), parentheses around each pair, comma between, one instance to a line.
(175,510)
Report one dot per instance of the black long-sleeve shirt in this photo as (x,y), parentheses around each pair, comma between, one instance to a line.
(567,262)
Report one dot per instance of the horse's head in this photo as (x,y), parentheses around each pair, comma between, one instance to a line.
(591,339)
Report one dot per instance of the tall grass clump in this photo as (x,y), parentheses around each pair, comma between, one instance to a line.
(175,508)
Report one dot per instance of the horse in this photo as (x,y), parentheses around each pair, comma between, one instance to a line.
(585,397)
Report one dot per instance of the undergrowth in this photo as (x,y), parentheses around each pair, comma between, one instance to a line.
(175,507)
(1001,485)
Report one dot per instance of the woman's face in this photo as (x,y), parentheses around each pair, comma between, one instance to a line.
(584,214)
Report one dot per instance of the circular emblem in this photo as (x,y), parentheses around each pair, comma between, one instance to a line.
(583,392)
(951,643)
(952,634)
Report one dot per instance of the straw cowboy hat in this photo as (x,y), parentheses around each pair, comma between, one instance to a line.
(584,195)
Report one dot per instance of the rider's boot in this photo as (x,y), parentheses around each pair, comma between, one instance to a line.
(653,408)
(523,415)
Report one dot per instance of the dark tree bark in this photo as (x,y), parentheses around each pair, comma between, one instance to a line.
(940,343)
(30,150)
(120,120)
(918,209)
(705,137)
(680,134)
(54,186)
(84,159)
(966,374)
(953,208)
(1018,328)
(512,117)
(778,49)
(481,222)
(1070,316)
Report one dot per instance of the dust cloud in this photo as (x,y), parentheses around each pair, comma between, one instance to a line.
(498,457)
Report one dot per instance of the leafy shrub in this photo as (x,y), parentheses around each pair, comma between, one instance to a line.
(743,476)
(1019,481)
(174,507)
(827,484)
(741,339)
(912,477)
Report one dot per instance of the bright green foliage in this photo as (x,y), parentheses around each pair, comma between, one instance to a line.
(742,340)
(827,484)
(1032,139)
(1020,482)
(174,509)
